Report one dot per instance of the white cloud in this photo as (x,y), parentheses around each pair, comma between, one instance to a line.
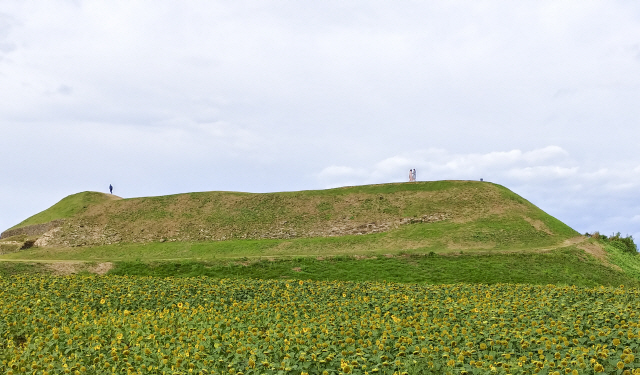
(541,173)
(346,175)
(336,172)
(516,165)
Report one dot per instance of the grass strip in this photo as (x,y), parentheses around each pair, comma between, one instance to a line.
(568,266)
(16,268)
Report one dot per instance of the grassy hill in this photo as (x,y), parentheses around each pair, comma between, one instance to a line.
(427,216)
(434,232)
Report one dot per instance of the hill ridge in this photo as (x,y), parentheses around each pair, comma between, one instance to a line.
(467,214)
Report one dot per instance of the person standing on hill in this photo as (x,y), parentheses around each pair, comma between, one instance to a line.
(110,189)
(410,175)
(414,174)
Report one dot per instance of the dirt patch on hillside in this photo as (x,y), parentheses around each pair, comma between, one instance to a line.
(46,237)
(70,268)
(101,268)
(538,225)
(597,252)
(283,245)
(470,245)
(574,241)
(64,268)
(364,257)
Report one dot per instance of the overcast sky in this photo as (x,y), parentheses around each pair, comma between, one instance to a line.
(164,97)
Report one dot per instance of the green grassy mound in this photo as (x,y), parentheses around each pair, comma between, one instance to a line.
(426,216)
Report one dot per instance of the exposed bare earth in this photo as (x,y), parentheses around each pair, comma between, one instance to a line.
(574,241)
(44,240)
(73,267)
(596,250)
(67,267)
(538,224)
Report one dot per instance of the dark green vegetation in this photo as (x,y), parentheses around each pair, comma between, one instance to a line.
(568,266)
(564,266)
(16,268)
(625,244)
(628,262)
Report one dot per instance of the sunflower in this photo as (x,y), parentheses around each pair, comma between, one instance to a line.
(598,368)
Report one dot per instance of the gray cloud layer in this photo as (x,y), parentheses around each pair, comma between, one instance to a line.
(169,97)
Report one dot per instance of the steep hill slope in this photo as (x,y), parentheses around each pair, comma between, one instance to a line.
(422,215)
(67,208)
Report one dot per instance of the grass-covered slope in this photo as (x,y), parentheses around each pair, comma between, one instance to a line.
(425,216)
(566,266)
(67,208)
(629,263)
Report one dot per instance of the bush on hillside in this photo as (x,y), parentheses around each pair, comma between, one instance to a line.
(625,244)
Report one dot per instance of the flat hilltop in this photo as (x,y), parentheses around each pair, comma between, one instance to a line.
(439,231)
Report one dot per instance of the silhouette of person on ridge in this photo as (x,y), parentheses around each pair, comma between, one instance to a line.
(110,189)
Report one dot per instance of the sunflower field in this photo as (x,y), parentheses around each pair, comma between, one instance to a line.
(140,325)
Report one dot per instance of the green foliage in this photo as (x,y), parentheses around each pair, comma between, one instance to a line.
(625,244)
(121,325)
(21,268)
(569,266)
(324,206)
(627,261)
(6,248)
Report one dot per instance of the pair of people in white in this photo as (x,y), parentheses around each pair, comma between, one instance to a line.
(412,175)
